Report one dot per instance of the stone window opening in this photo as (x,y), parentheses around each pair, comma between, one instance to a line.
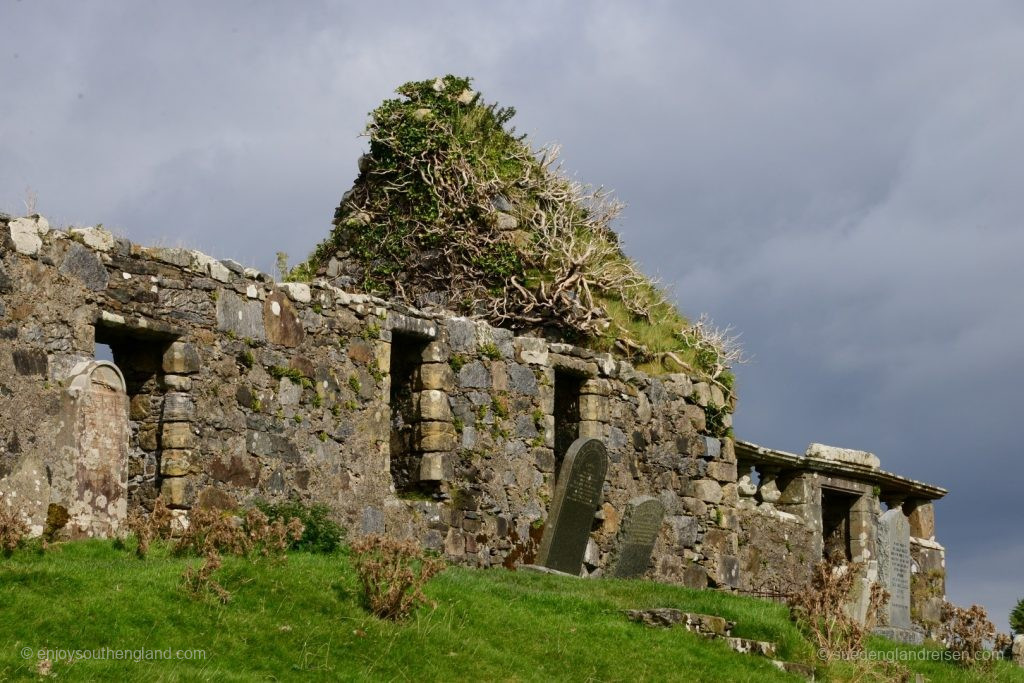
(407,389)
(836,509)
(568,388)
(139,357)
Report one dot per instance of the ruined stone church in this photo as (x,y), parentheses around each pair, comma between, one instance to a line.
(226,386)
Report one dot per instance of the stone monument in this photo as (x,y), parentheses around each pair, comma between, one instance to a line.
(578,494)
(641,524)
(94,448)
(894,564)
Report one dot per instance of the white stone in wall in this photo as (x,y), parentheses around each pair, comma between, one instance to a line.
(26,233)
(297,291)
(847,455)
(96,238)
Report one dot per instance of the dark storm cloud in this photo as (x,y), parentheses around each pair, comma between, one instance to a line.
(839,182)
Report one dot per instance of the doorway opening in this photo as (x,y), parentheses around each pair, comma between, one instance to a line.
(406,359)
(567,414)
(836,507)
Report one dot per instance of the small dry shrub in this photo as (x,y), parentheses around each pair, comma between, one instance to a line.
(147,528)
(13,528)
(821,613)
(198,581)
(251,536)
(965,631)
(393,574)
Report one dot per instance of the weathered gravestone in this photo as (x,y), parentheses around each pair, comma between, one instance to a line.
(94,450)
(641,524)
(577,497)
(894,564)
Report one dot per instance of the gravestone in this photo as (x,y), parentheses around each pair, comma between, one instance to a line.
(641,524)
(94,448)
(578,494)
(894,564)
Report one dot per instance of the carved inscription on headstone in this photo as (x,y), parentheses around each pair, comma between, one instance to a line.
(894,567)
(578,494)
(641,524)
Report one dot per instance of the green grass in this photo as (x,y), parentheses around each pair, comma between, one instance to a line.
(303,620)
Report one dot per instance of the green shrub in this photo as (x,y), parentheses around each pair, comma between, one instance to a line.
(320,533)
(1017,618)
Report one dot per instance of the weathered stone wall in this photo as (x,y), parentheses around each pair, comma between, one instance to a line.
(240,387)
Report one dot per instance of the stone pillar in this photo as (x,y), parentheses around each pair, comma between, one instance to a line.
(178,443)
(862,529)
(94,449)
(921,515)
(801,496)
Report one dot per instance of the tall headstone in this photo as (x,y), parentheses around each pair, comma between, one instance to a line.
(578,494)
(894,565)
(94,447)
(641,524)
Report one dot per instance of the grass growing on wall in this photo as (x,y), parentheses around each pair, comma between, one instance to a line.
(303,620)
(451,201)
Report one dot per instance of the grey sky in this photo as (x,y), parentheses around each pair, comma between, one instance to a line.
(839,182)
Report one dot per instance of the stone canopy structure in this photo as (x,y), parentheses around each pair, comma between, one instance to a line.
(227,386)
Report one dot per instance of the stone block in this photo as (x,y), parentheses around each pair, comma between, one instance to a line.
(685,530)
(175,462)
(597,387)
(847,455)
(178,407)
(522,380)
(271,445)
(696,416)
(462,335)
(695,576)
(593,407)
(436,436)
(722,471)
(798,491)
(30,361)
(435,352)
(694,506)
(177,435)
(243,317)
(728,450)
(435,376)
(720,542)
(432,404)
(701,394)
(455,543)
(177,383)
(94,238)
(25,235)
(922,520)
(531,350)
(474,376)
(281,323)
(590,429)
(148,436)
(707,490)
(178,491)
(85,265)
(297,291)
(181,358)
(435,467)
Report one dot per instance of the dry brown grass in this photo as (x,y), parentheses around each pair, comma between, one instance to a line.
(393,574)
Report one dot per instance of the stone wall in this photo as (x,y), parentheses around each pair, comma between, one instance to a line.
(402,422)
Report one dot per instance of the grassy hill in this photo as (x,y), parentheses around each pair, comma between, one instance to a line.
(303,619)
